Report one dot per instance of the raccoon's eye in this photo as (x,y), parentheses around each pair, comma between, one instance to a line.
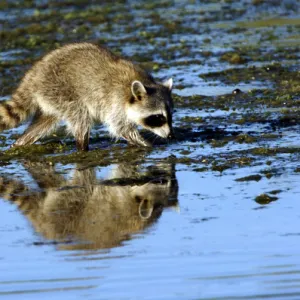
(159,181)
(155,121)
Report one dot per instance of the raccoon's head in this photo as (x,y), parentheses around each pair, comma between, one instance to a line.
(151,197)
(151,107)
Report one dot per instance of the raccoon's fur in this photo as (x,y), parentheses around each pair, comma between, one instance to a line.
(91,212)
(81,84)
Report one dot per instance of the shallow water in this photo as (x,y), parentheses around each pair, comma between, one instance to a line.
(212,215)
(215,242)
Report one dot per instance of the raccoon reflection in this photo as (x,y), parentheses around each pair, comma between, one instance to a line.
(91,212)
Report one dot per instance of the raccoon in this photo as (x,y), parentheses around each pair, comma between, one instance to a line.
(95,214)
(83,83)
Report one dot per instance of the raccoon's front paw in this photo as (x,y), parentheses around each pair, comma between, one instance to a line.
(135,139)
(145,144)
(139,143)
(14,145)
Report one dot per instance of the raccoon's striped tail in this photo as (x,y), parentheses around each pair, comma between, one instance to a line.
(12,190)
(13,112)
(17,193)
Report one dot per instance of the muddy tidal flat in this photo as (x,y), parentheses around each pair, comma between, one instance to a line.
(211,215)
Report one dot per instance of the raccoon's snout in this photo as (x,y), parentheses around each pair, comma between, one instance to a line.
(158,124)
(171,135)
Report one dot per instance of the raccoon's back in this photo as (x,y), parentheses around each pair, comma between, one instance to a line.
(83,68)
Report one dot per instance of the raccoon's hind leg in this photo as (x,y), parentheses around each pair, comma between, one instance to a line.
(40,126)
(79,124)
(82,137)
(81,131)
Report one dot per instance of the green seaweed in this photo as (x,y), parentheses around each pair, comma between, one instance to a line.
(264,199)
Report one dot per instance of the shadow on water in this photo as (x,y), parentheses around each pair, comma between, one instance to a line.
(86,212)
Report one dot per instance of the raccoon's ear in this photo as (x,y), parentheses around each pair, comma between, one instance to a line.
(138,89)
(145,209)
(168,84)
